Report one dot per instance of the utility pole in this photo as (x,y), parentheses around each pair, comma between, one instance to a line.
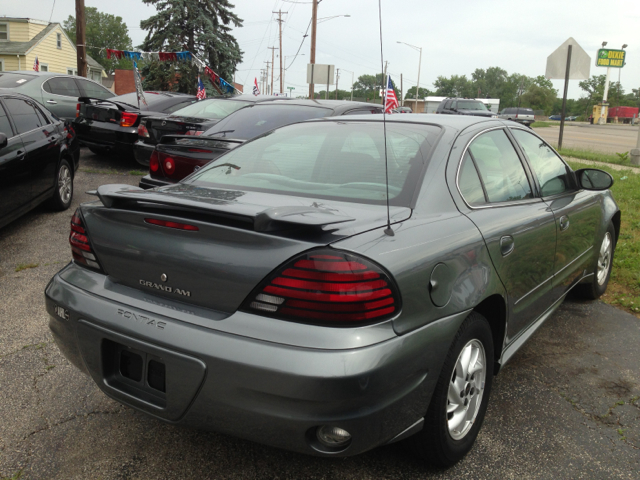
(337,78)
(273,65)
(266,81)
(80,39)
(280,12)
(312,60)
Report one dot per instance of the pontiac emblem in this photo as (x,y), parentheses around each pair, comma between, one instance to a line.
(164,122)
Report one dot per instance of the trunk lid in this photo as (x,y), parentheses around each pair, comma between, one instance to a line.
(241,238)
(171,125)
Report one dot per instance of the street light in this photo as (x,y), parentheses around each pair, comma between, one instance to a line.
(419,64)
(284,70)
(604,44)
(352,74)
(620,69)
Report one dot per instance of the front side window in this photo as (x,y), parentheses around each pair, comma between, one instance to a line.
(5,125)
(332,160)
(471,105)
(553,174)
(24,115)
(500,169)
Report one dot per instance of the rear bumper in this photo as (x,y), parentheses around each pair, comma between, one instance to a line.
(267,392)
(147,182)
(106,136)
(142,152)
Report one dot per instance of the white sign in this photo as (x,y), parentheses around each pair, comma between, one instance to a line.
(320,74)
(580,68)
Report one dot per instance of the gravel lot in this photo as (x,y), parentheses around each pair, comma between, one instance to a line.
(567,406)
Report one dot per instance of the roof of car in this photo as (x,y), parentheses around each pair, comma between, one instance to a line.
(338,106)
(458,122)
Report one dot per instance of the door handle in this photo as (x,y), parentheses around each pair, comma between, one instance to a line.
(507,245)
(52,102)
(564,223)
(19,155)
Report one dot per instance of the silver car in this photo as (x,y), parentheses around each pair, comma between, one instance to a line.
(56,91)
(276,295)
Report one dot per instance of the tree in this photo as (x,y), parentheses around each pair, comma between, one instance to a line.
(456,86)
(369,86)
(102,30)
(594,87)
(411,93)
(201,26)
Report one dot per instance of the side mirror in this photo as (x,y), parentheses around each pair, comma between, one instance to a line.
(593,179)
(3,140)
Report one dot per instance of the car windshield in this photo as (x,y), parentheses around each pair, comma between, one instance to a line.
(471,105)
(254,121)
(214,108)
(13,80)
(331,160)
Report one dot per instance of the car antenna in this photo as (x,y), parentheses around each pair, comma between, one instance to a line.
(388,230)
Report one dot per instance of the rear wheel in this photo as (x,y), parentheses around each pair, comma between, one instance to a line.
(602,271)
(63,192)
(460,399)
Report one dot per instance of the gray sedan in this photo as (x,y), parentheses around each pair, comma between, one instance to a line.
(56,91)
(328,289)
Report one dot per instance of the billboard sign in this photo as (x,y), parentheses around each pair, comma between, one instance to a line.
(610,58)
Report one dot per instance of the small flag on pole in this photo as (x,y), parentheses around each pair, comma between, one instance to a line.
(256,90)
(36,65)
(202,93)
(391,101)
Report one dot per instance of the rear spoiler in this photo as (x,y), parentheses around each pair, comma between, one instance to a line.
(91,100)
(192,141)
(126,196)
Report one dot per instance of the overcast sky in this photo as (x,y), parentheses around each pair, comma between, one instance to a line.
(456,36)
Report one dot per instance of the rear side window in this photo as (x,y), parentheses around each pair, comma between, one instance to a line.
(178,106)
(469,182)
(94,90)
(24,115)
(447,104)
(501,171)
(65,86)
(5,126)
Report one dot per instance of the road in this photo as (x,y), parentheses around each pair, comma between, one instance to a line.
(567,406)
(600,138)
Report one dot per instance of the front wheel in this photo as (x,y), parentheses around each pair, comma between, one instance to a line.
(460,399)
(63,191)
(602,271)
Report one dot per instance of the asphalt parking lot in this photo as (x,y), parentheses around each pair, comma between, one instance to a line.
(567,406)
(599,138)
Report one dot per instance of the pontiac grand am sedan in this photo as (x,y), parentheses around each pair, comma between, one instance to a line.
(327,290)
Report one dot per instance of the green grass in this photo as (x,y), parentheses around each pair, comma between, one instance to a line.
(24,266)
(108,171)
(543,124)
(137,172)
(595,156)
(624,286)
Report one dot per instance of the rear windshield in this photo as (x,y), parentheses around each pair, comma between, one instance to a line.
(214,108)
(132,99)
(470,105)
(332,160)
(254,121)
(13,80)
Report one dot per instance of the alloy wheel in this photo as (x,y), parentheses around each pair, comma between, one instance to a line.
(65,184)
(466,389)
(604,258)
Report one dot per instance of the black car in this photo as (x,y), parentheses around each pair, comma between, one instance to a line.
(177,156)
(38,157)
(111,126)
(191,120)
(464,106)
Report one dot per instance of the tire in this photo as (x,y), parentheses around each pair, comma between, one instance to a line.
(63,191)
(103,152)
(602,269)
(449,432)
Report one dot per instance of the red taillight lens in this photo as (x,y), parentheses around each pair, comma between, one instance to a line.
(195,133)
(128,119)
(77,110)
(142,131)
(168,165)
(169,224)
(154,163)
(327,287)
(80,245)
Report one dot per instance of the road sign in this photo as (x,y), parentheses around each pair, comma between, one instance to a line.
(580,67)
(320,74)
(610,58)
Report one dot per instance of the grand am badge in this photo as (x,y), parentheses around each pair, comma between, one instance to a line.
(165,288)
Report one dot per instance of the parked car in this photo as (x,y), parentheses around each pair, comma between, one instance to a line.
(572,118)
(464,106)
(193,119)
(521,115)
(558,117)
(326,289)
(57,92)
(178,156)
(111,126)
(402,110)
(38,157)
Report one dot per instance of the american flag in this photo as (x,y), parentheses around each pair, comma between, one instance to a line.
(202,93)
(36,65)
(256,90)
(391,101)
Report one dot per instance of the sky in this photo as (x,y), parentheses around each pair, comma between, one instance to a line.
(456,36)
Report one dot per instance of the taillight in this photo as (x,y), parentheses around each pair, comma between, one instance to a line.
(168,165)
(169,224)
(77,110)
(142,131)
(80,245)
(154,163)
(128,119)
(327,287)
(195,133)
